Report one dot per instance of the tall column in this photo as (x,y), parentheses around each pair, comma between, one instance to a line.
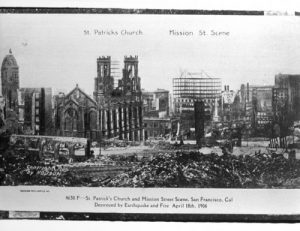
(100,120)
(108,122)
(124,121)
(130,123)
(127,122)
(136,123)
(112,123)
(98,125)
(140,117)
(140,122)
(117,121)
(127,118)
(120,116)
(142,134)
(115,117)
(133,117)
(105,123)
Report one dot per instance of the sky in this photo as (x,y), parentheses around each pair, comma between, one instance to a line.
(53,51)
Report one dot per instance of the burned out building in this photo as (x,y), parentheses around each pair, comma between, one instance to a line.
(280,100)
(161,100)
(242,104)
(35,111)
(160,127)
(253,105)
(291,84)
(157,101)
(262,106)
(157,119)
(226,104)
(148,101)
(111,112)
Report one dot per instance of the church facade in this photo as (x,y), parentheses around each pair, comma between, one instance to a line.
(112,112)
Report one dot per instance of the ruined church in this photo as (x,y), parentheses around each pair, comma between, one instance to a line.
(112,112)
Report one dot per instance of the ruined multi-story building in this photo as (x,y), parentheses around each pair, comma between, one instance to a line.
(148,101)
(253,103)
(292,85)
(262,106)
(161,100)
(160,127)
(111,112)
(226,104)
(280,100)
(156,101)
(157,119)
(35,111)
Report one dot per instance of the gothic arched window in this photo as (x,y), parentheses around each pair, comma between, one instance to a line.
(71,118)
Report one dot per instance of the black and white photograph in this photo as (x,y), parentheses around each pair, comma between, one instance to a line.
(140,99)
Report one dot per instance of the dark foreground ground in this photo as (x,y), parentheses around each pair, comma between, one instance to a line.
(178,168)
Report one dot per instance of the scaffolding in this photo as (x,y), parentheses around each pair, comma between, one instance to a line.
(192,87)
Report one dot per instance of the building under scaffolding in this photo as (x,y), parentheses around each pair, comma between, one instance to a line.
(191,87)
(194,87)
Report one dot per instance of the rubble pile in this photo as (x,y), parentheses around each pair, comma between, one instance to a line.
(23,169)
(176,146)
(26,169)
(210,171)
(42,175)
(124,160)
(172,169)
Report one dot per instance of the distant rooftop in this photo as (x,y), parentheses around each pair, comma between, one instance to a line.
(195,75)
(156,91)
(261,86)
(160,90)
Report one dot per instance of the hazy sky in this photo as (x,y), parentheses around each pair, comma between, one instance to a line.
(52,50)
